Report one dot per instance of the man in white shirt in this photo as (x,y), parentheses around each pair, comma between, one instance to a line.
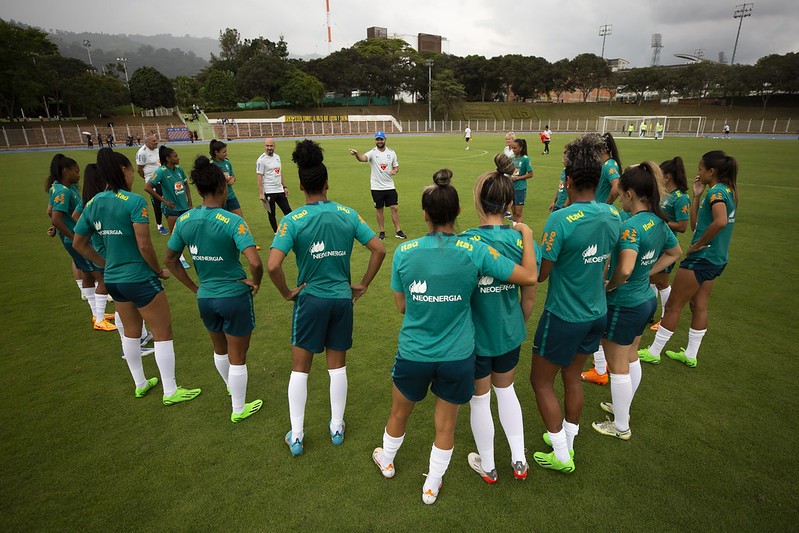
(546,137)
(384,166)
(147,162)
(272,188)
(467,134)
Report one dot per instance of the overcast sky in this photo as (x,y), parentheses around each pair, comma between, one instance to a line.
(552,29)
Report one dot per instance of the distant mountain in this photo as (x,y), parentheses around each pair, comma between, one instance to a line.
(171,55)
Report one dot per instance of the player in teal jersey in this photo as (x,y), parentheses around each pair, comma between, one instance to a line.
(677,206)
(523,171)
(608,189)
(499,327)
(646,246)
(218,151)
(64,209)
(561,199)
(578,240)
(132,272)
(712,220)
(321,234)
(433,279)
(216,238)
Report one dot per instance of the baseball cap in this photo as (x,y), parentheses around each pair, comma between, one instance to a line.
(380,135)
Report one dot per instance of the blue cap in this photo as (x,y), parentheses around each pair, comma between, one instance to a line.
(380,135)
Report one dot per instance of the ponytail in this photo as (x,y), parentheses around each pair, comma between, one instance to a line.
(726,169)
(676,168)
(493,191)
(645,180)
(440,200)
(58,164)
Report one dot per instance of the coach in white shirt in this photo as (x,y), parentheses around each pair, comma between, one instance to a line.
(147,162)
(272,188)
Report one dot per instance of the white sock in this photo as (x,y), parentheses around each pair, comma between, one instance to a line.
(165,359)
(298,395)
(89,293)
(222,364)
(694,341)
(100,301)
(391,446)
(664,297)
(661,338)
(132,350)
(143,330)
(621,393)
(483,429)
(439,462)
(80,284)
(571,431)
(338,397)
(238,386)
(635,375)
(559,445)
(600,365)
(120,326)
(510,416)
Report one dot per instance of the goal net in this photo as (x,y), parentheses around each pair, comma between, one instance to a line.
(653,126)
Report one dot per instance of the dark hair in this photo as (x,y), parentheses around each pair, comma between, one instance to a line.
(493,190)
(110,165)
(215,146)
(726,168)
(163,153)
(58,165)
(582,159)
(676,169)
(93,183)
(644,180)
(440,200)
(522,144)
(612,149)
(207,177)
(312,171)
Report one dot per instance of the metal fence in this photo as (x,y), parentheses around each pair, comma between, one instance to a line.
(72,135)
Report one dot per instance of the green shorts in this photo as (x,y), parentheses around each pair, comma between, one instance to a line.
(626,323)
(558,341)
(499,364)
(703,269)
(140,293)
(232,204)
(519,196)
(172,212)
(321,322)
(452,381)
(233,315)
(82,264)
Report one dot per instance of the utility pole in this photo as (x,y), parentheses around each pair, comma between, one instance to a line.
(429,64)
(88,44)
(741,11)
(124,61)
(604,31)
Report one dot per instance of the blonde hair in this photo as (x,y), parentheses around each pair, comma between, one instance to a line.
(510,135)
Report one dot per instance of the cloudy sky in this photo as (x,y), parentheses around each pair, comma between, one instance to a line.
(551,29)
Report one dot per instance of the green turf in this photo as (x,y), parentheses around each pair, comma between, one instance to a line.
(712,447)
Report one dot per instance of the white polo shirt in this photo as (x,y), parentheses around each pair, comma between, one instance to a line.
(149,160)
(268,167)
(381,163)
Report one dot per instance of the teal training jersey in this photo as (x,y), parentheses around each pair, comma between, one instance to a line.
(560,201)
(610,173)
(95,240)
(112,215)
(438,273)
(66,200)
(677,206)
(173,186)
(648,235)
(321,235)
(579,239)
(215,238)
(227,168)
(496,311)
(522,166)
(718,250)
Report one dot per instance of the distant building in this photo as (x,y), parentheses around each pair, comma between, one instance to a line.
(376,33)
(429,43)
(617,64)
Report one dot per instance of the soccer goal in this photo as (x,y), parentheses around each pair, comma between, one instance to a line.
(653,126)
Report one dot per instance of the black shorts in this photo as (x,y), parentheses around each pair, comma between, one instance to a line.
(385,198)
(703,269)
(499,364)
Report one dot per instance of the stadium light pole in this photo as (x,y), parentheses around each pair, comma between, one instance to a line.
(88,44)
(124,61)
(741,11)
(604,31)
(429,64)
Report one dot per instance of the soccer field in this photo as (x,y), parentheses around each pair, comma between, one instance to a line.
(712,448)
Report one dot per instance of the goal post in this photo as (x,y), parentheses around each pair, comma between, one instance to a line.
(653,126)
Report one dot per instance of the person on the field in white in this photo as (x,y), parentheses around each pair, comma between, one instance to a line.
(467,135)
(272,188)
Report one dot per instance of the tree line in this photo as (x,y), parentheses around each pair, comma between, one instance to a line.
(37,75)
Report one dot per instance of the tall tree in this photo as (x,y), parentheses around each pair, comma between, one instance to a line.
(150,89)
(447,93)
(187,91)
(561,76)
(23,84)
(388,65)
(588,71)
(263,75)
(218,89)
(340,72)
(301,89)
(93,94)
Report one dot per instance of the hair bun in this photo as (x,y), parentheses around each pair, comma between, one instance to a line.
(442,177)
(307,154)
(503,164)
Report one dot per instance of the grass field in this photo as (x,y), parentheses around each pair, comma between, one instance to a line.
(713,447)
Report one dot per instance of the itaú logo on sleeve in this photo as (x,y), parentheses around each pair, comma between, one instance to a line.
(98,226)
(648,258)
(486,285)
(317,251)
(589,255)
(418,290)
(195,255)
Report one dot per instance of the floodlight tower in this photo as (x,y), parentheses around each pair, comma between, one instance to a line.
(741,11)
(124,61)
(88,44)
(604,31)
(657,44)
